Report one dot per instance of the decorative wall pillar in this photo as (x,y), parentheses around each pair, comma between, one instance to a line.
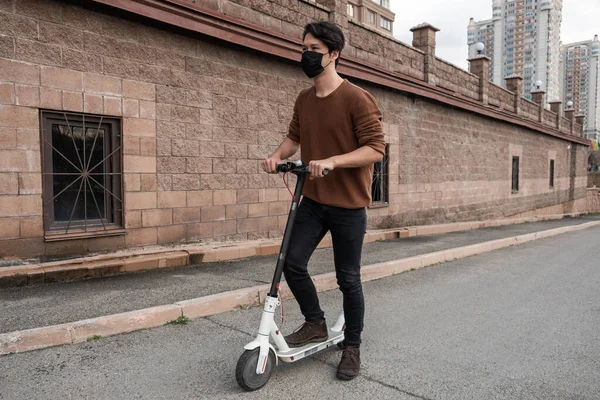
(424,40)
(580,119)
(480,66)
(570,115)
(538,96)
(557,108)
(514,83)
(339,12)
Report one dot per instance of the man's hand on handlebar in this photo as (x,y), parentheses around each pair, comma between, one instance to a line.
(319,168)
(270,165)
(316,167)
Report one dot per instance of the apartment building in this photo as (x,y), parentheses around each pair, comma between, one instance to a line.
(580,82)
(523,37)
(482,32)
(375,14)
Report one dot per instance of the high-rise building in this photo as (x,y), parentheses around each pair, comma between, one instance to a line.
(482,32)
(580,82)
(523,37)
(373,13)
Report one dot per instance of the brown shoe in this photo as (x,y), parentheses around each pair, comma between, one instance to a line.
(309,332)
(349,366)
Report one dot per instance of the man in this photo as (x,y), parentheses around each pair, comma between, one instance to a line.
(338,127)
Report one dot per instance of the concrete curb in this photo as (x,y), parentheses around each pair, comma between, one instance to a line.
(107,264)
(79,331)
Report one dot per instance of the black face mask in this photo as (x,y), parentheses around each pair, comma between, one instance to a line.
(311,63)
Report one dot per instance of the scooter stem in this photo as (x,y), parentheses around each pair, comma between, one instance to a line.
(288,233)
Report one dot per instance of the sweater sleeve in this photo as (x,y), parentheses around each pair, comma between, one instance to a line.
(294,127)
(368,127)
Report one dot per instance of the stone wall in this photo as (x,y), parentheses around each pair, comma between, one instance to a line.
(501,98)
(198,114)
(549,117)
(456,166)
(457,80)
(594,180)
(530,110)
(593,201)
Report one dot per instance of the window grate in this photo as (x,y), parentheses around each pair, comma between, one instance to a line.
(379,187)
(82,188)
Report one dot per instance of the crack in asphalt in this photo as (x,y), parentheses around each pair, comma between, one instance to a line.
(374,380)
(227,326)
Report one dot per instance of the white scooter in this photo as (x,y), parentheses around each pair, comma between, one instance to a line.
(257,362)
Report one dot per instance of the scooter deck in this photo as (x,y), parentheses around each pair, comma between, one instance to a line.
(297,353)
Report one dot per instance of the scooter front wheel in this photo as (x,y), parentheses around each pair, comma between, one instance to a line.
(245,371)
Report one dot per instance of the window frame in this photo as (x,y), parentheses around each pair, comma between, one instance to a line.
(113,199)
(372,17)
(383,19)
(350,10)
(552,173)
(385,181)
(515,174)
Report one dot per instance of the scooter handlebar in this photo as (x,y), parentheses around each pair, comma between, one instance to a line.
(296,168)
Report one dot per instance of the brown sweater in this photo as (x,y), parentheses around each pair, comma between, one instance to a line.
(339,123)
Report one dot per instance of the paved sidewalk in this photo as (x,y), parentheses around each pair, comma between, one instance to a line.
(55,303)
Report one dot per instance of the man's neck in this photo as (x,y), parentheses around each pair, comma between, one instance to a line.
(327,82)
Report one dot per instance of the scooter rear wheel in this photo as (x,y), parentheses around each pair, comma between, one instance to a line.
(245,371)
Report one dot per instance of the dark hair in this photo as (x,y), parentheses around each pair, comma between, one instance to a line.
(328,33)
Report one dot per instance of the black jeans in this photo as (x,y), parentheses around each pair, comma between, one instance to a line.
(347,227)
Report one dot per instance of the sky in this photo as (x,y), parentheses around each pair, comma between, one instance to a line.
(580,22)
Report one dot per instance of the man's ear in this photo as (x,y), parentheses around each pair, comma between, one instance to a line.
(335,54)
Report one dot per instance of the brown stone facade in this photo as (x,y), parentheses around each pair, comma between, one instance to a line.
(593,200)
(198,106)
(594,179)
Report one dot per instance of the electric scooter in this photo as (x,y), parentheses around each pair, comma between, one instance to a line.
(257,362)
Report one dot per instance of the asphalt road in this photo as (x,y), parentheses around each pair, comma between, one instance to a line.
(56,303)
(518,323)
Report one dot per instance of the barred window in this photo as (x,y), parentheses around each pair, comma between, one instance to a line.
(379,187)
(82,183)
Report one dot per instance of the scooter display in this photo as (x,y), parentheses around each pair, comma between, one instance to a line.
(262,355)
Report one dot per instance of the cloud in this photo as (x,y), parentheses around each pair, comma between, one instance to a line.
(581,22)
